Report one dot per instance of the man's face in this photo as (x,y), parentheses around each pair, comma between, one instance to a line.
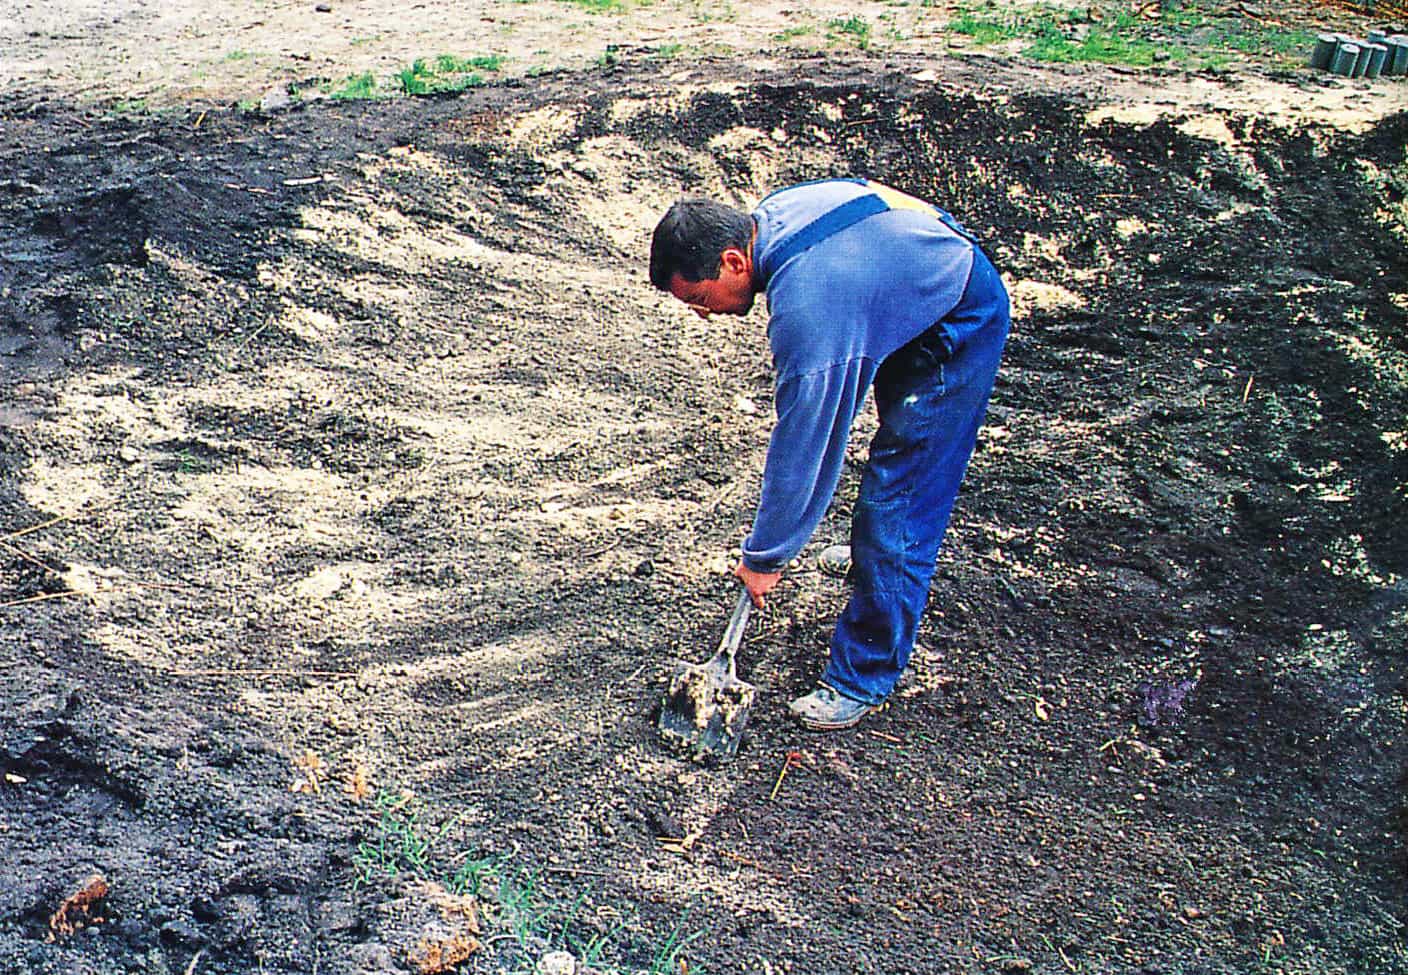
(731,293)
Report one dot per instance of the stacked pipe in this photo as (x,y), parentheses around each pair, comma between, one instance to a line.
(1378,54)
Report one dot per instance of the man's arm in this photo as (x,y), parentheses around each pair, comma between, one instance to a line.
(806,452)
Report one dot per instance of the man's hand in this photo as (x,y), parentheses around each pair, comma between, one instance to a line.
(759,583)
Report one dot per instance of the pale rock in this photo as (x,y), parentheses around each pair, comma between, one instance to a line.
(81,579)
(275,99)
(557,963)
(322,584)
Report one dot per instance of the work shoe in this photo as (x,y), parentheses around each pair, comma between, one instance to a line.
(827,709)
(835,560)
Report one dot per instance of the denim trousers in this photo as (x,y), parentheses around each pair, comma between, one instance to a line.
(931,396)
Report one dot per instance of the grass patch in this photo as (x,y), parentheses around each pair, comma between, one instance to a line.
(399,845)
(129,106)
(453,64)
(986,30)
(516,904)
(791,33)
(1267,41)
(1105,47)
(1186,33)
(355,87)
(447,73)
(857,29)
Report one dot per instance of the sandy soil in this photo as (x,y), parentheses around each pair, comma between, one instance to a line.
(136,52)
(357,494)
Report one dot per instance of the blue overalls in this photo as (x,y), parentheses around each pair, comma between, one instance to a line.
(931,405)
(931,396)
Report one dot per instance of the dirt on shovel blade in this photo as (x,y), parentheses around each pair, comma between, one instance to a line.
(705,711)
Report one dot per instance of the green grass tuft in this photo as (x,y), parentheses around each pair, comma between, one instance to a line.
(453,64)
(984,30)
(449,73)
(801,30)
(854,27)
(357,86)
(1098,45)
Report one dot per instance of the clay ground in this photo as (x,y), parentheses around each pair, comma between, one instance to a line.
(357,494)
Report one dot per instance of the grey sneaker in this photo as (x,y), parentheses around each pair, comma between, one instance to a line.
(835,560)
(827,709)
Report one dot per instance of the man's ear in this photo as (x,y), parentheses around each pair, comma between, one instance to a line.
(733,259)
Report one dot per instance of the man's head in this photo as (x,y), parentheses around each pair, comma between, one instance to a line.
(702,253)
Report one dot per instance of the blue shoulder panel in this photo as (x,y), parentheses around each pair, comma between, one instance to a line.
(830,222)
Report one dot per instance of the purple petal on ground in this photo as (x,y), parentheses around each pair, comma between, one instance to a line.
(1162,703)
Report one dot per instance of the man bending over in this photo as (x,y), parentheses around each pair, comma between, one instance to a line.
(865,286)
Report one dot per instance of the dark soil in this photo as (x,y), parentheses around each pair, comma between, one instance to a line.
(374,454)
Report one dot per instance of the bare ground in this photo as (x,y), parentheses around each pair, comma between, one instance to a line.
(358,493)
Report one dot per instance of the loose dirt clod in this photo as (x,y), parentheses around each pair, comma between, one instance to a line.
(460,908)
(434,956)
(77,910)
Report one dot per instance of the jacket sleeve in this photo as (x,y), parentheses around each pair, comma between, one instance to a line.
(804,460)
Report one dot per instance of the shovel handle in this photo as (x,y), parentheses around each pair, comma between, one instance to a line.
(733,636)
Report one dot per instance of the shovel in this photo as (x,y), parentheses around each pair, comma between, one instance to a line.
(706,706)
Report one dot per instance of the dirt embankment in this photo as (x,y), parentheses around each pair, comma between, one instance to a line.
(354,457)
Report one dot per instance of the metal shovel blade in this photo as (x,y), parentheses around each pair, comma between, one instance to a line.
(705,707)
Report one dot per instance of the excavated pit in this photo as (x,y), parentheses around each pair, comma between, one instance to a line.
(366,439)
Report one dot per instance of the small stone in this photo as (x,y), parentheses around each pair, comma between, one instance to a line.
(323,8)
(182,933)
(835,560)
(275,99)
(557,963)
(322,584)
(128,455)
